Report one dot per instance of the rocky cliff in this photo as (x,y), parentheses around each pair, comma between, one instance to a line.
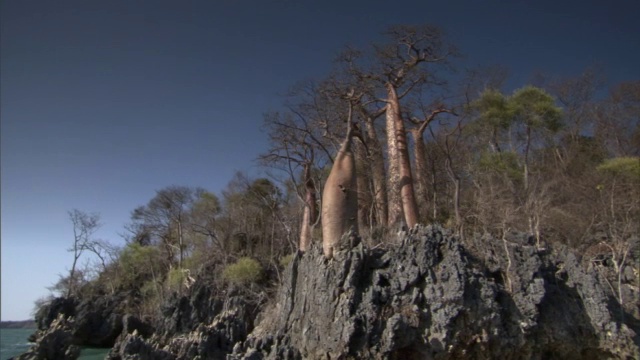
(429,299)
(426,297)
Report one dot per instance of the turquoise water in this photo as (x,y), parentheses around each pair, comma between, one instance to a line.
(93,353)
(14,342)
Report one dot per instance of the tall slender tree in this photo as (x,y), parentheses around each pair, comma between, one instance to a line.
(84,226)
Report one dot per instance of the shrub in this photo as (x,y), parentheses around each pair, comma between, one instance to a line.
(502,163)
(175,278)
(137,264)
(245,270)
(285,260)
(622,166)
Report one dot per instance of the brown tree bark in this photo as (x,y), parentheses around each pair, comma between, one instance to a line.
(394,214)
(419,154)
(421,166)
(362,185)
(310,213)
(400,179)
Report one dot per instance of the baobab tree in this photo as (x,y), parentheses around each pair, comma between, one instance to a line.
(293,149)
(395,70)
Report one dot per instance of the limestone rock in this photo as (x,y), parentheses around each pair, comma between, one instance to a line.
(54,343)
(430,299)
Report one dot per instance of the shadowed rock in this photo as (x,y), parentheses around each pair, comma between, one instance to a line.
(429,299)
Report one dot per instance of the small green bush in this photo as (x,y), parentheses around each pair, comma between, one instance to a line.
(149,290)
(285,260)
(136,265)
(175,279)
(245,270)
(503,162)
(622,166)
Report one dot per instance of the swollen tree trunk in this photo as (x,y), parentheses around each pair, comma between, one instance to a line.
(305,229)
(394,214)
(377,174)
(310,213)
(400,176)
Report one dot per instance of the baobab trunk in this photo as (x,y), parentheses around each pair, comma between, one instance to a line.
(309,213)
(419,156)
(394,214)
(340,197)
(364,197)
(400,176)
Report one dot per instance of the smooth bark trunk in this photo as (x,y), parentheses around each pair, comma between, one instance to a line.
(310,212)
(401,178)
(394,214)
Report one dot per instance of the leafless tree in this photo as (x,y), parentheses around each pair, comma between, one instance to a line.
(84,226)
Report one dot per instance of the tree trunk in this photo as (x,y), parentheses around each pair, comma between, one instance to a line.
(305,229)
(421,174)
(400,176)
(394,214)
(455,179)
(526,160)
(72,274)
(433,188)
(310,212)
(362,181)
(180,243)
(378,174)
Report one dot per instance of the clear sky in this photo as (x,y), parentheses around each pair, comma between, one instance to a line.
(104,102)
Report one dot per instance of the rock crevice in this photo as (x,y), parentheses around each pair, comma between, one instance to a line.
(430,299)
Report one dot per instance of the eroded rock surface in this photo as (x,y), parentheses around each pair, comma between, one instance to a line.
(424,298)
(429,299)
(204,324)
(53,343)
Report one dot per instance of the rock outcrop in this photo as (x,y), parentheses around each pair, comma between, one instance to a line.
(98,321)
(204,323)
(68,322)
(425,298)
(50,312)
(429,299)
(53,343)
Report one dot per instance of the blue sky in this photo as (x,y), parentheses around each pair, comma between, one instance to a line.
(104,102)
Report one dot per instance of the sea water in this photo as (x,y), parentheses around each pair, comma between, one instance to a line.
(14,342)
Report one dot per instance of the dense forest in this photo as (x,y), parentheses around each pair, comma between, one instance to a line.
(558,158)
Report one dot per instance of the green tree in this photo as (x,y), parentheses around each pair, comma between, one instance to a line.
(205,225)
(536,115)
(165,219)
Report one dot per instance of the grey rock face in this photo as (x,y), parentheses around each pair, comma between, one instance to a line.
(98,321)
(50,312)
(429,299)
(212,336)
(53,343)
(425,298)
(68,322)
